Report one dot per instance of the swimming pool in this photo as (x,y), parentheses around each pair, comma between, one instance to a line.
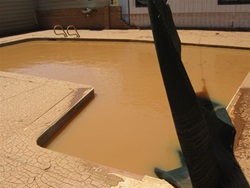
(128,124)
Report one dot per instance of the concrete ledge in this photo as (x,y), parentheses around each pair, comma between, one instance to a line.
(75,107)
(29,106)
(190,37)
(32,110)
(239,111)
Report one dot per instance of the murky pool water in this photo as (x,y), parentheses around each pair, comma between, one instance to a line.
(128,124)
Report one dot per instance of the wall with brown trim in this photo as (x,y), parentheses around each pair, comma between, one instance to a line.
(100,18)
(116,21)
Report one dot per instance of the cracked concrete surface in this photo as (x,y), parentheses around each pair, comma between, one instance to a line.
(31,107)
(240,114)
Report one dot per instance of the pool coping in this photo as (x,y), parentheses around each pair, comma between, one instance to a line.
(106,171)
(198,37)
(114,40)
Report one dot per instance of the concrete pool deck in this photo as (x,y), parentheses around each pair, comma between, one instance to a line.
(195,37)
(31,106)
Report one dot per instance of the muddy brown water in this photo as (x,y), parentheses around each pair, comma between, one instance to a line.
(128,124)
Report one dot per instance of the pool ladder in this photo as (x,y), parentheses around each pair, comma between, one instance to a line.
(56,27)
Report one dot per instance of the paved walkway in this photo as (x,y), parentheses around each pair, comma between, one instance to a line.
(31,107)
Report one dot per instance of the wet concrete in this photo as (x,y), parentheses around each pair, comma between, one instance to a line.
(47,168)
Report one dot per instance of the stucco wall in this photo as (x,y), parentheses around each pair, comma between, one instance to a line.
(99,18)
(198,14)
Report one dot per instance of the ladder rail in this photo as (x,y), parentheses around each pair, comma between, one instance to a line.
(60,27)
(76,34)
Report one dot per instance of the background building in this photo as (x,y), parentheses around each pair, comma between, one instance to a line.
(200,14)
(18,16)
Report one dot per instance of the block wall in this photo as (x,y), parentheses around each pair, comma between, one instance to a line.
(100,18)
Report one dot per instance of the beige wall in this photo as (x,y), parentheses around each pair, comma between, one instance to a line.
(198,14)
(201,6)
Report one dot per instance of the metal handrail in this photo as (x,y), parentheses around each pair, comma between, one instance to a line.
(63,32)
(76,34)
